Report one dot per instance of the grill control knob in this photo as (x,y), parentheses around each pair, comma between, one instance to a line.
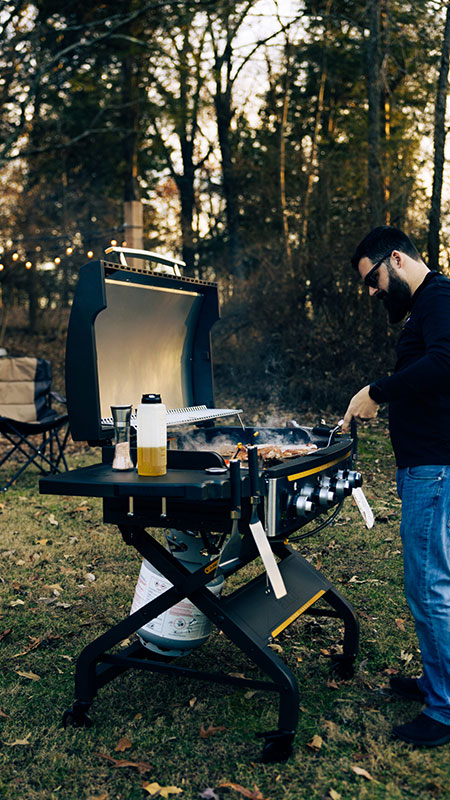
(324,496)
(342,488)
(303,505)
(354,478)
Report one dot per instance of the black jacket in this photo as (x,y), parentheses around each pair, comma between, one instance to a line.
(418,392)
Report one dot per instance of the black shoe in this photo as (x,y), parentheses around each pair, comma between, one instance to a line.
(406,687)
(423,731)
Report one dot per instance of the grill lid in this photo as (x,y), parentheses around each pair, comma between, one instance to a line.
(132,331)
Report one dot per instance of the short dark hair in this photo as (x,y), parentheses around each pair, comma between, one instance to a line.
(382,239)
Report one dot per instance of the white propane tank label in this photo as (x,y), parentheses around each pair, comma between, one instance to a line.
(183,621)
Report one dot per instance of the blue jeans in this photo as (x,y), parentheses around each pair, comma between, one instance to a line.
(425,531)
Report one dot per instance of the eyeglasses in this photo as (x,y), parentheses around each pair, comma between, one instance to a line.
(371,279)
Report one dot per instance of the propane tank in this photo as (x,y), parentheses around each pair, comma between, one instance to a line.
(151,436)
(183,627)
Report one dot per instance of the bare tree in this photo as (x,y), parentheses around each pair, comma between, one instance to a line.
(439,145)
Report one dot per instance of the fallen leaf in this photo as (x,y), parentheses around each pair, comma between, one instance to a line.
(30,675)
(141,766)
(406,657)
(99,796)
(316,742)
(4,634)
(89,577)
(17,603)
(362,772)
(22,742)
(400,624)
(255,795)
(276,647)
(122,744)
(52,520)
(166,790)
(390,671)
(331,683)
(151,788)
(192,702)
(210,730)
(43,542)
(208,794)
(154,789)
(334,795)
(2,714)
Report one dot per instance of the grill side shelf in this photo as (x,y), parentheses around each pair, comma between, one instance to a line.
(99,480)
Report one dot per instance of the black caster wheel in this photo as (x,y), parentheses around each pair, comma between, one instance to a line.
(343,667)
(76,716)
(277,746)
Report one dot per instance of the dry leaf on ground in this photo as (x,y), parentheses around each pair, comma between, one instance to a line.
(155,790)
(30,675)
(334,795)
(122,744)
(362,772)
(210,730)
(316,742)
(255,795)
(22,742)
(208,794)
(141,766)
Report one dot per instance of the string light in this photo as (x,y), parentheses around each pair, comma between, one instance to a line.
(89,253)
(69,251)
(124,244)
(2,266)
(15,256)
(113,242)
(28,264)
(57,260)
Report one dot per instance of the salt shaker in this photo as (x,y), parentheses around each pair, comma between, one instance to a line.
(122,459)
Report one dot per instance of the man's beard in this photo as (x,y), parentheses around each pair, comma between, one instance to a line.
(397,299)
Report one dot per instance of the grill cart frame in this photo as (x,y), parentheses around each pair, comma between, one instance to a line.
(196,493)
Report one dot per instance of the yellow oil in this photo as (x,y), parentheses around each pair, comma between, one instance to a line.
(151,461)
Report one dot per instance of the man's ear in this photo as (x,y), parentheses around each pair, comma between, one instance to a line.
(398,258)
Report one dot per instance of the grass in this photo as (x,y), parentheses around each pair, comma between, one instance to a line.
(51,548)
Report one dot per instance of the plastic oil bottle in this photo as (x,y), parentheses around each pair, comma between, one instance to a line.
(151,436)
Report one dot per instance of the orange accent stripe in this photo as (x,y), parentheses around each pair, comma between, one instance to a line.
(297,613)
(212,566)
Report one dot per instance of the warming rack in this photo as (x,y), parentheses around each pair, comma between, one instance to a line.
(186,416)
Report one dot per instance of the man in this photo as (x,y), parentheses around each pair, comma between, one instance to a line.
(418,393)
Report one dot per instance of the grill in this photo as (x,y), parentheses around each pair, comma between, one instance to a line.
(133,331)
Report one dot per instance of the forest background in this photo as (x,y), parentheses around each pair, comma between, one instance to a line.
(263,139)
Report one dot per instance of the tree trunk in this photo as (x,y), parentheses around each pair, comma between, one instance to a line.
(439,145)
(224,115)
(375,179)
(283,123)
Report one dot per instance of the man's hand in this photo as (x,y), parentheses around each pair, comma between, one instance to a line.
(361,407)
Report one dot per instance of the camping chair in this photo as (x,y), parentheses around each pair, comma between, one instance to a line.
(26,412)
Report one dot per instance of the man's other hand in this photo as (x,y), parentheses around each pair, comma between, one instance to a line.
(361,407)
